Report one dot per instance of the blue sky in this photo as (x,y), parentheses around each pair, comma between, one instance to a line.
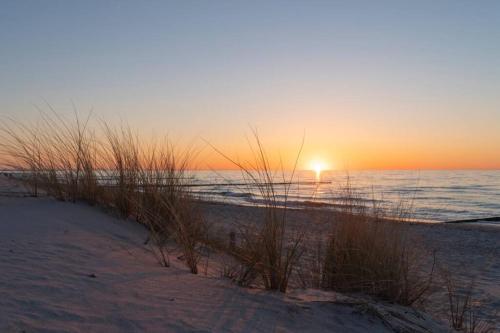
(344,71)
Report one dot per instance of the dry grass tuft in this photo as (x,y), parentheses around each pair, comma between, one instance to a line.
(166,205)
(66,159)
(56,154)
(462,310)
(269,249)
(367,252)
(121,155)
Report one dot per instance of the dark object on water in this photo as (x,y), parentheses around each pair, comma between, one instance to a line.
(487,219)
(92,276)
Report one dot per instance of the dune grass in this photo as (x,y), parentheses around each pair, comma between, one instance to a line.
(463,307)
(166,204)
(112,167)
(370,251)
(56,154)
(120,151)
(75,160)
(269,249)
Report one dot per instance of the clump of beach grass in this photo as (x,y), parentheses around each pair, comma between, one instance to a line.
(369,251)
(121,155)
(167,206)
(21,150)
(56,154)
(269,249)
(71,160)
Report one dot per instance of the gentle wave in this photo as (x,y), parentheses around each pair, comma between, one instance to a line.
(434,195)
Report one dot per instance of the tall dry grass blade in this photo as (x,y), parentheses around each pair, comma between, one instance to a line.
(270,250)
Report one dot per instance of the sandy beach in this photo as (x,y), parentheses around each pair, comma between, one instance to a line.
(74,268)
(470,251)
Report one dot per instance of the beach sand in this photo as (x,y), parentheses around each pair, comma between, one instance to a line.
(470,251)
(74,268)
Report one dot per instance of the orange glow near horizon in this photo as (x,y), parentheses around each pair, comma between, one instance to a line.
(369,157)
(339,147)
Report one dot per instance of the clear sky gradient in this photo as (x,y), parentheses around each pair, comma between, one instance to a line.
(374,84)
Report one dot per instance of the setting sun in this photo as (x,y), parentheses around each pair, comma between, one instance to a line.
(317,167)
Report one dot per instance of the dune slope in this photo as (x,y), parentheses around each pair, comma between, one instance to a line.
(71,268)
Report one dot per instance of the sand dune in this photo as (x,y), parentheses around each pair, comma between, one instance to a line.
(72,268)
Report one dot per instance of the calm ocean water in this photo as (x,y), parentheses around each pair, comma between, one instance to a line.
(434,195)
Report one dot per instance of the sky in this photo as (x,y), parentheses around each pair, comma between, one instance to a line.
(369,84)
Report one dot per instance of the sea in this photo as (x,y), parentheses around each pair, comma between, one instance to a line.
(431,196)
